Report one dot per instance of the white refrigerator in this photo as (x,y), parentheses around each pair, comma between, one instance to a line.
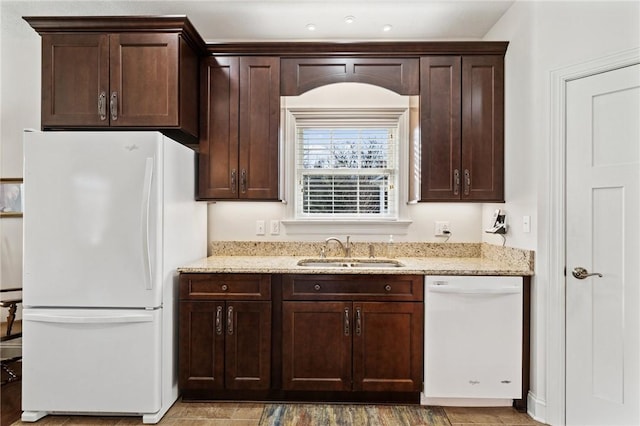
(108,217)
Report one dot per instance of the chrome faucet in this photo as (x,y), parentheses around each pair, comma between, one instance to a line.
(346,248)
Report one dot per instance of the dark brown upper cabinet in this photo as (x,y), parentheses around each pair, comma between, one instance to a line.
(239,128)
(462,120)
(299,75)
(100,73)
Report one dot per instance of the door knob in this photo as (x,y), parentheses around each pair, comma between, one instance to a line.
(581,273)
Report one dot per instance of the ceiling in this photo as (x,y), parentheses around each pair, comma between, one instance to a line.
(287,20)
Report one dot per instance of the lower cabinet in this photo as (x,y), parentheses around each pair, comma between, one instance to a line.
(352,346)
(332,337)
(224,344)
(352,333)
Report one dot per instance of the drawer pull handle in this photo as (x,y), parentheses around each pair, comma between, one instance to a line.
(316,287)
(102,106)
(225,287)
(387,287)
(243,181)
(230,320)
(347,326)
(113,106)
(467,181)
(456,182)
(234,183)
(219,320)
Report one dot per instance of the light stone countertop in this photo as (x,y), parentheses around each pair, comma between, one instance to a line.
(413,265)
(417,258)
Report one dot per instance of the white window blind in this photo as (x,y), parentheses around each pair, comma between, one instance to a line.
(346,169)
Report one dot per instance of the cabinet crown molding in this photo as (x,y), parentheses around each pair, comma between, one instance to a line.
(118,24)
(370,49)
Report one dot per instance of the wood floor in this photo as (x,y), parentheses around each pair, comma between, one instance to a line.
(249,414)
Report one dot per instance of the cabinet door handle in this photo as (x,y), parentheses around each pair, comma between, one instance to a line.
(456,182)
(467,181)
(358,322)
(102,105)
(347,326)
(113,106)
(230,320)
(243,181)
(234,182)
(219,320)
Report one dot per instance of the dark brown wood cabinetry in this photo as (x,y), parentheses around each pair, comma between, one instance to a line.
(398,74)
(349,333)
(109,73)
(462,119)
(225,332)
(239,129)
(332,337)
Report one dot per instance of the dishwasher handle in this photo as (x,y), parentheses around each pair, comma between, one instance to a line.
(474,291)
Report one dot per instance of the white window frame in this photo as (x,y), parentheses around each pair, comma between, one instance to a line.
(397,225)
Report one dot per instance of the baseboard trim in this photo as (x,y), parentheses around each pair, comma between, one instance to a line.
(536,408)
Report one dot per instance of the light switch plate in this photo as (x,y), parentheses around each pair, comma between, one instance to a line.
(259,227)
(275,227)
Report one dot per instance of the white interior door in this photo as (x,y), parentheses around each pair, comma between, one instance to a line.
(603,237)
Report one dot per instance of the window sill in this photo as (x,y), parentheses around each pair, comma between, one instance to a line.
(351,227)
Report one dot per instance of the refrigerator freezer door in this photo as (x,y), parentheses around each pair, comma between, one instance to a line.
(91,361)
(92,219)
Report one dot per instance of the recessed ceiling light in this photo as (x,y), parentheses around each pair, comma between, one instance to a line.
(349,19)
(387,28)
(311,27)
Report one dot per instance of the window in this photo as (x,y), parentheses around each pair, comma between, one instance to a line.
(346,170)
(347,160)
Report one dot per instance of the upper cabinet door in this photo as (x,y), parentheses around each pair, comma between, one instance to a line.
(440,127)
(75,79)
(259,126)
(144,79)
(462,121)
(483,128)
(218,158)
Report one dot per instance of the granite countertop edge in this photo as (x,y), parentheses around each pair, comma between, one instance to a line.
(412,265)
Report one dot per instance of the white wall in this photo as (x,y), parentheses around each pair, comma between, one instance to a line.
(547,36)
(19,108)
(236,221)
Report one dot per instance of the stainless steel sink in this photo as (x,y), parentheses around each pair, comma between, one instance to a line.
(350,263)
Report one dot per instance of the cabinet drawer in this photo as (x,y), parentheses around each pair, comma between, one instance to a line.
(348,287)
(225,286)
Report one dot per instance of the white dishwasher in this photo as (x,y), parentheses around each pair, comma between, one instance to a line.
(473,340)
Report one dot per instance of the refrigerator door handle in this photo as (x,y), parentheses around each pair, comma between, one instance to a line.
(148,176)
(87,319)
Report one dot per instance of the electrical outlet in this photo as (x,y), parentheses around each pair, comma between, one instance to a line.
(442,228)
(259,227)
(275,226)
